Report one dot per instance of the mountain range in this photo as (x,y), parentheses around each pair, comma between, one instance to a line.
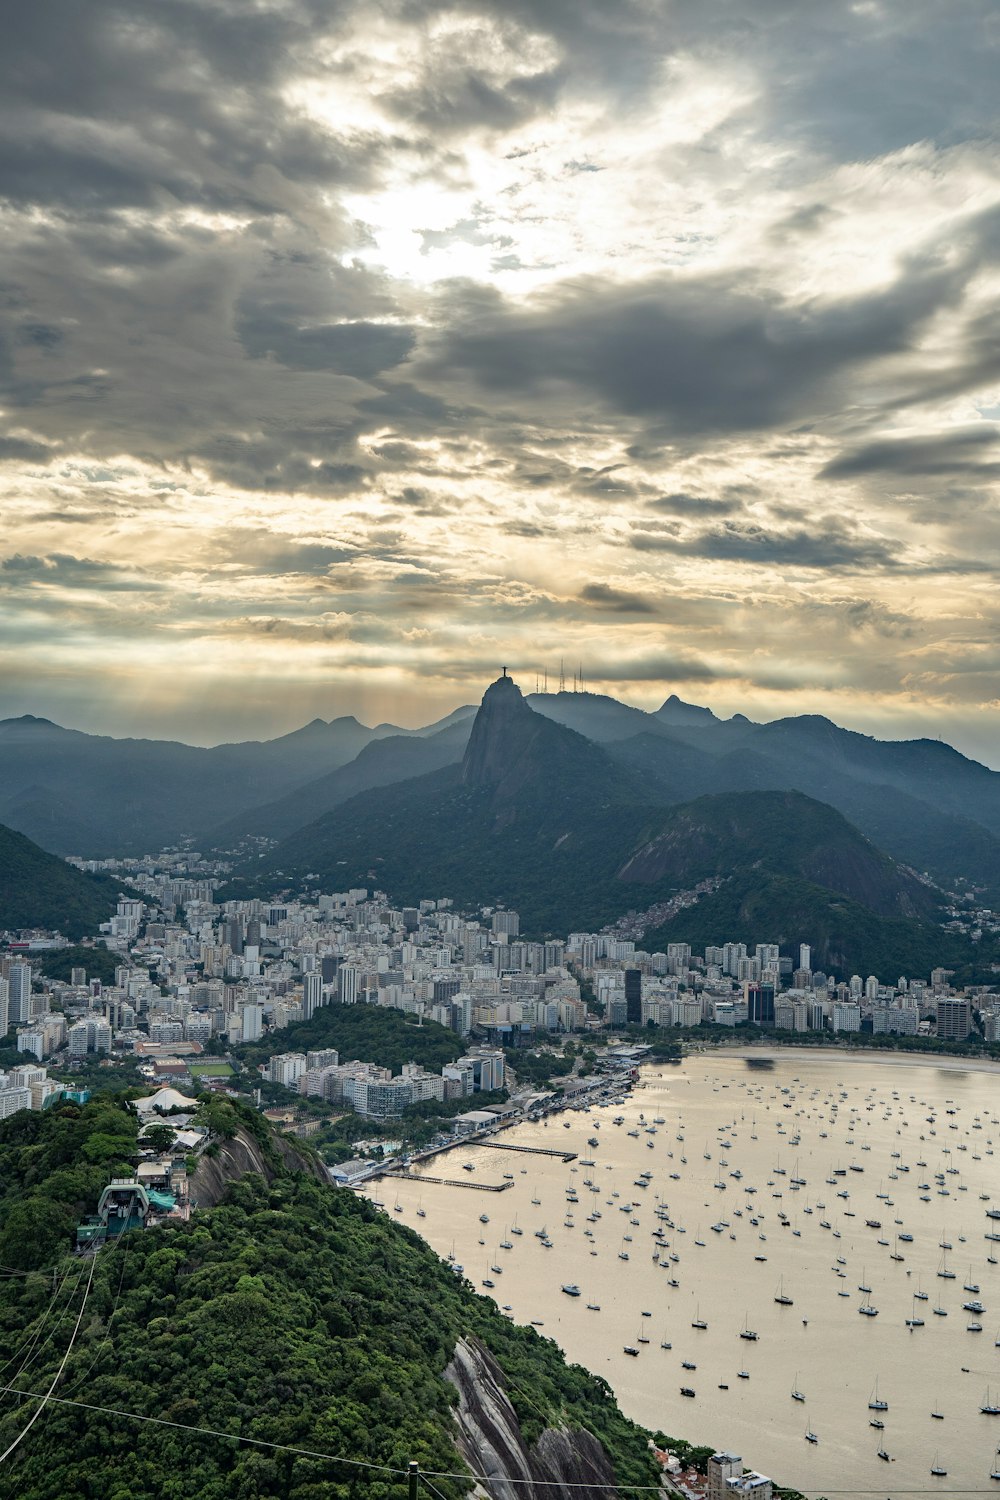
(539,817)
(920,800)
(574,807)
(92,795)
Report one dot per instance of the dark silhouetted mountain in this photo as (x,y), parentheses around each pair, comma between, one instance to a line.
(676,711)
(38,889)
(591,714)
(381,762)
(920,800)
(543,820)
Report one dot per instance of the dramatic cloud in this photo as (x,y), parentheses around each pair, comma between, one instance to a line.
(348,352)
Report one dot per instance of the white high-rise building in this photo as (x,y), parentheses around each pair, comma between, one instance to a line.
(349,983)
(251,1023)
(312,993)
(846,1017)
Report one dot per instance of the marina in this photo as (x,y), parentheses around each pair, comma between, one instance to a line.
(784,1158)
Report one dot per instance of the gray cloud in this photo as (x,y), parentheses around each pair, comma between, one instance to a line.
(704,506)
(824,547)
(359,349)
(66,571)
(973,451)
(692,355)
(616,601)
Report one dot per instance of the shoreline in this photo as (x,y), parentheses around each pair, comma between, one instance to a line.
(888,1055)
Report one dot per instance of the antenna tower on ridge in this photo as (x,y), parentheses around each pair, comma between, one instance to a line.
(562,676)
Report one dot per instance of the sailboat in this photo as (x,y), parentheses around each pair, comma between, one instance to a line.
(797,1395)
(937,1470)
(876,1403)
(942,1270)
(780,1297)
(995,1471)
(914,1321)
(698,1321)
(746,1332)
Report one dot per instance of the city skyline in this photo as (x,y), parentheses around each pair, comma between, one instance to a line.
(350,356)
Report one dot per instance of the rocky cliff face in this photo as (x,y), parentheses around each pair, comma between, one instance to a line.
(235,1159)
(491,1441)
(504,729)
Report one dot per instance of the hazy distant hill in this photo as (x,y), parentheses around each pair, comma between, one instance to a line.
(379,763)
(39,890)
(78,793)
(542,819)
(919,799)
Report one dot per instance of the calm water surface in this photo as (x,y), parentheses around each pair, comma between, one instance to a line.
(760,1177)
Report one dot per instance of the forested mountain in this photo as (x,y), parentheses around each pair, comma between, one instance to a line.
(38,889)
(543,820)
(295,1314)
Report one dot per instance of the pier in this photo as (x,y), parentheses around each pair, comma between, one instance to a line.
(528,1150)
(462,1182)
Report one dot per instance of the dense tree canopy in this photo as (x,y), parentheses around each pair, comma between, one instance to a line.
(294,1313)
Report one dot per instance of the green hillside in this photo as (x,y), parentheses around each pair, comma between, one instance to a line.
(38,889)
(294,1314)
(373,1033)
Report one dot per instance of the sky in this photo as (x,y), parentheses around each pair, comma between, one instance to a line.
(351,351)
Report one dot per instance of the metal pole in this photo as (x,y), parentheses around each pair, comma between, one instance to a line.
(414,1474)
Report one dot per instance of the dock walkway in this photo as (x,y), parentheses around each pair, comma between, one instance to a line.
(462,1182)
(528,1150)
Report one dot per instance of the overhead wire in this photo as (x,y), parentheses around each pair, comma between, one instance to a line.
(101,1346)
(424,1474)
(31,1349)
(55,1379)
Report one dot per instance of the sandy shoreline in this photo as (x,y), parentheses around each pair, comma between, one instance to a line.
(887,1057)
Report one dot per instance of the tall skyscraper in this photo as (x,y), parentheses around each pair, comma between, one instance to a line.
(19,1013)
(633,996)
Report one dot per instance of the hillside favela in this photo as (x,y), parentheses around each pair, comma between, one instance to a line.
(511,1118)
